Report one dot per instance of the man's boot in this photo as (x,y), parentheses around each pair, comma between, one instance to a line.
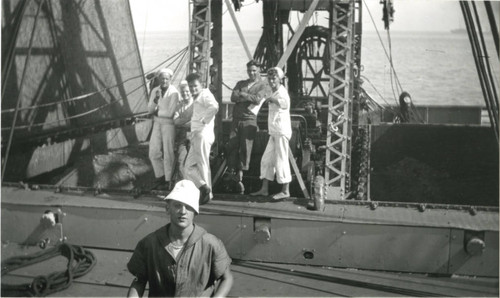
(204,194)
(165,186)
(240,188)
(159,183)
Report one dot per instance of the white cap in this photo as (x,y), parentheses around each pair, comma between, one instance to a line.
(166,71)
(185,192)
(278,71)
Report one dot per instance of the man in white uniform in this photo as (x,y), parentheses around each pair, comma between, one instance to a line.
(163,102)
(275,157)
(197,164)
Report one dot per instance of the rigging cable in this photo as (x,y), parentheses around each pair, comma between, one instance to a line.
(87,112)
(23,76)
(76,98)
(493,26)
(394,93)
(77,115)
(388,106)
(144,32)
(7,62)
(373,101)
(389,41)
(476,50)
(182,63)
(399,90)
(389,57)
(225,85)
(485,57)
(381,41)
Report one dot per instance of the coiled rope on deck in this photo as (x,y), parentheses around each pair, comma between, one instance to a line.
(80,262)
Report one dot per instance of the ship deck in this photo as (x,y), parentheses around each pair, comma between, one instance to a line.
(110,278)
(273,269)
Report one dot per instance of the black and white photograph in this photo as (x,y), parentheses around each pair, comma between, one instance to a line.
(250,148)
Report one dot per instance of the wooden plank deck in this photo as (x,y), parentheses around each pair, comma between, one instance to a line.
(110,278)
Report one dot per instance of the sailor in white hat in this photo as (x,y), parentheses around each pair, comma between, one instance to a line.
(187,193)
(275,158)
(163,103)
(181,259)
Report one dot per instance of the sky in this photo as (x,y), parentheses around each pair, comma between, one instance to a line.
(410,15)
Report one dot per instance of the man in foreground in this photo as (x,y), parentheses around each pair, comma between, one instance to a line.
(181,259)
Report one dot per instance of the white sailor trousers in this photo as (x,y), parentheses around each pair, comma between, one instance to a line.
(275,160)
(162,139)
(197,166)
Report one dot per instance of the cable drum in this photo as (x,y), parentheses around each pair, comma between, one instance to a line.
(309,63)
(80,262)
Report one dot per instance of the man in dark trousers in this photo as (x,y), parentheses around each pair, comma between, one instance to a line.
(181,259)
(248,96)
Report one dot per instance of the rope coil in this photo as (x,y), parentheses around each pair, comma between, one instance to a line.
(80,262)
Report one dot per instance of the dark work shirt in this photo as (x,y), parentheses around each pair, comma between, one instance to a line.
(256,93)
(201,262)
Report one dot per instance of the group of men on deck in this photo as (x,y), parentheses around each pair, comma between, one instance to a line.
(183,131)
(185,125)
(181,258)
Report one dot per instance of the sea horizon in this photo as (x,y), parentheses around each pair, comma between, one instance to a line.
(435,67)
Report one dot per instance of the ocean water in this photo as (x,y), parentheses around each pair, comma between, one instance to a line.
(435,68)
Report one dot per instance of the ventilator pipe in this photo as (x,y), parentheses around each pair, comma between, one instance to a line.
(475,246)
(319,193)
(262,230)
(48,219)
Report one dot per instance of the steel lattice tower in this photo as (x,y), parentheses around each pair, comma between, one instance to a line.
(340,99)
(200,40)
